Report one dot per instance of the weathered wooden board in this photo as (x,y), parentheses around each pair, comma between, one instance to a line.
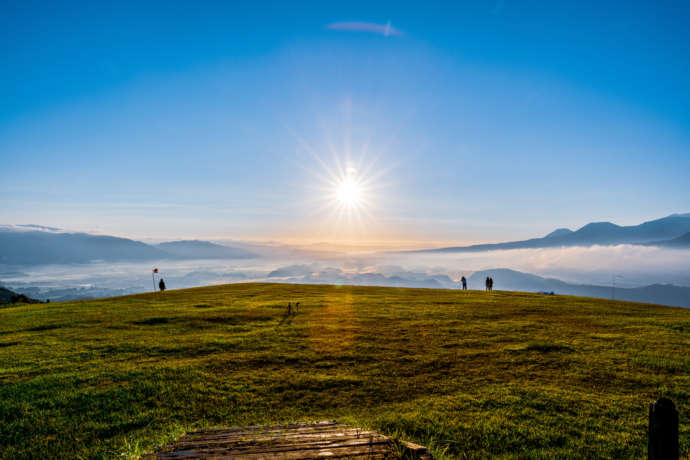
(326,439)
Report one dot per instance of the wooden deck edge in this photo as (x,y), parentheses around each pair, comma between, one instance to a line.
(409,450)
(416,451)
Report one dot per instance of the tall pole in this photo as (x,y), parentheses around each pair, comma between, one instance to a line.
(153,281)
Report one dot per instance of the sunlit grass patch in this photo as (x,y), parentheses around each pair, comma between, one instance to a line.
(663,363)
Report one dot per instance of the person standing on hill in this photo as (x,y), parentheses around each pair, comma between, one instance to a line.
(487,283)
(463,280)
(161,285)
(491,284)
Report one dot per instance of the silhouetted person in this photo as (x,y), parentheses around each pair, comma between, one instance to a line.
(161,285)
(491,284)
(487,283)
(296,307)
(289,308)
(463,280)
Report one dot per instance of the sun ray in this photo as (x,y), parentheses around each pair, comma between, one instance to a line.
(345,183)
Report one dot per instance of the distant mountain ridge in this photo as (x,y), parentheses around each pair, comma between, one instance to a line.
(559,232)
(682,241)
(196,249)
(512,280)
(37,247)
(656,232)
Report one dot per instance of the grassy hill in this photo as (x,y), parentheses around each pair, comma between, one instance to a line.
(469,374)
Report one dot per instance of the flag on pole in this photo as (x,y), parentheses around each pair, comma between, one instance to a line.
(153,278)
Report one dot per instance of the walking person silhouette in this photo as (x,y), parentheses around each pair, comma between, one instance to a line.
(161,285)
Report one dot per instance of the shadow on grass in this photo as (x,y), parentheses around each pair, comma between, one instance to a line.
(286,320)
(151,321)
(125,351)
(235,319)
(546,347)
(45,327)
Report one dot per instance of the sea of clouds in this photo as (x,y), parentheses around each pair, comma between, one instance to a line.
(631,266)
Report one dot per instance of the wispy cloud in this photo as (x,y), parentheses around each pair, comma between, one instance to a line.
(387,30)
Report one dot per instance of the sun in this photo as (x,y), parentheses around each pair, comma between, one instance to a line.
(348,192)
(345,194)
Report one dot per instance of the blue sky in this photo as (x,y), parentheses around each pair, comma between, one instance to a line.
(478,121)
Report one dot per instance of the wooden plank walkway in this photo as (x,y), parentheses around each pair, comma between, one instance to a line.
(326,439)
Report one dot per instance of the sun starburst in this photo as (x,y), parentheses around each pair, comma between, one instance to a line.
(345,195)
(348,191)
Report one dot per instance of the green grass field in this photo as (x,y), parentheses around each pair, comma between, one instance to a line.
(468,374)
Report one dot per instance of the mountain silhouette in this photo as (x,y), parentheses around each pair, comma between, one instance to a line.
(34,247)
(195,249)
(595,233)
(682,241)
(511,280)
(39,247)
(559,232)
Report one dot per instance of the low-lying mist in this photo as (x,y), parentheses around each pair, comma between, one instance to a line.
(631,265)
